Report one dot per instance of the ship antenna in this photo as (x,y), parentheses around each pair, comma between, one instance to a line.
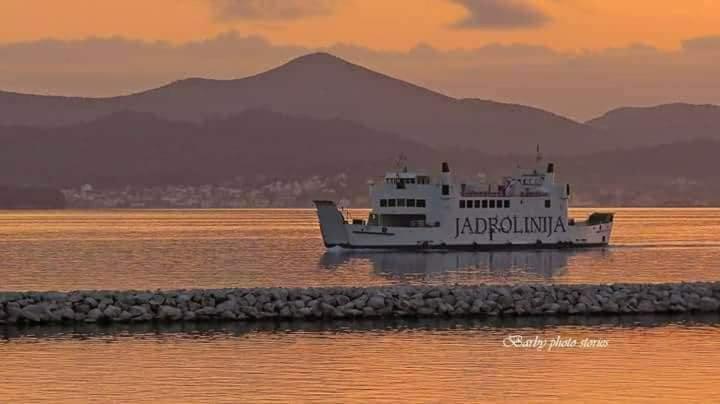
(401,163)
(538,156)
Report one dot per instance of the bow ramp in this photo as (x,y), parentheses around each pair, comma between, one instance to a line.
(332,224)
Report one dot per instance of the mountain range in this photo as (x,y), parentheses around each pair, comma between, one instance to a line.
(321,114)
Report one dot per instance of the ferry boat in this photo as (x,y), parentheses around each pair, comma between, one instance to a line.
(413,210)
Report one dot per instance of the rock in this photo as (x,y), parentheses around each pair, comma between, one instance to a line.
(157,300)
(228,315)
(706,304)
(551,308)
(207,312)
(112,312)
(124,316)
(138,311)
(169,313)
(426,311)
(184,298)
(93,316)
(342,300)
(646,306)
(228,305)
(505,301)
(36,313)
(338,302)
(369,312)
(82,308)
(677,299)
(611,307)
(376,302)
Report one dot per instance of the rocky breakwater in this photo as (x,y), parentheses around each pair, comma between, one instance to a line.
(372,302)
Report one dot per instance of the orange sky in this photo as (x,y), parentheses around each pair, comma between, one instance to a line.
(378,24)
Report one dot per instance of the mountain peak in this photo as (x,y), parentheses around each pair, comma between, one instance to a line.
(318,57)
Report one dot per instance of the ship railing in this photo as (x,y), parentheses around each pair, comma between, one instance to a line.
(349,219)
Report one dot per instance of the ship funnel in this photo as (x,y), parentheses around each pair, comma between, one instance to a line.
(445,167)
(551,168)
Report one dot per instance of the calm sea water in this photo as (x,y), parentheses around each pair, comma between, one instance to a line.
(67,250)
(643,358)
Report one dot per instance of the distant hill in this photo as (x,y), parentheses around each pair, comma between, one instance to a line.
(130,148)
(141,149)
(323,86)
(668,123)
(30,198)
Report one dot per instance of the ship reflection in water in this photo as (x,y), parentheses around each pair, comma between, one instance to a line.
(465,265)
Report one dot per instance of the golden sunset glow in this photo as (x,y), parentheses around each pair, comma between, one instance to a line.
(396,25)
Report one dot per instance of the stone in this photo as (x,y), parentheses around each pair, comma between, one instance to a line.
(137,311)
(342,300)
(82,308)
(184,298)
(706,304)
(376,302)
(93,316)
(228,305)
(505,301)
(339,302)
(207,312)
(36,312)
(228,315)
(112,312)
(169,313)
(646,306)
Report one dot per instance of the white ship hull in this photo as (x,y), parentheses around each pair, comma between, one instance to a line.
(464,230)
(413,210)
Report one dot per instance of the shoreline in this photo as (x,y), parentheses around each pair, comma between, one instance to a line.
(348,303)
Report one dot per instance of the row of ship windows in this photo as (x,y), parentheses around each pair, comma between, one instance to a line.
(490,203)
(419,180)
(402,203)
(485,203)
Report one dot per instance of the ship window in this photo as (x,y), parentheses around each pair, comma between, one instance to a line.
(462,203)
(401,202)
(391,203)
(477,203)
(492,203)
(446,189)
(420,203)
(410,203)
(507,203)
(547,203)
(499,204)
(383,203)
(484,203)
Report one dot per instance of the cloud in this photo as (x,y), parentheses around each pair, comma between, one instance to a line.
(503,14)
(579,85)
(270,10)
